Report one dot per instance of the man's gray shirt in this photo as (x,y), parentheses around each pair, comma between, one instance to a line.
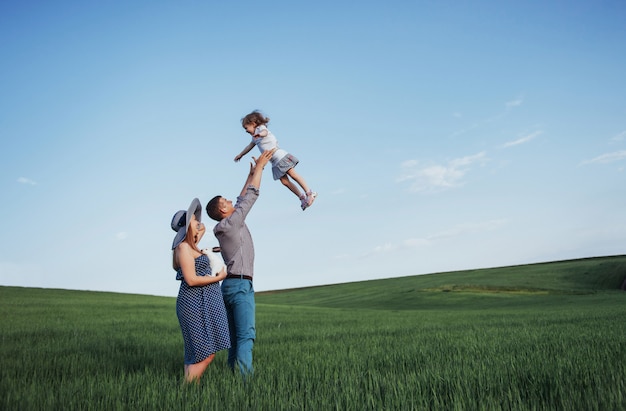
(234,237)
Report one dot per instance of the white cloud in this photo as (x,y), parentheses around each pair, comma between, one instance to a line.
(522,140)
(122,235)
(489,120)
(514,103)
(24,180)
(468,228)
(620,137)
(384,248)
(415,242)
(456,231)
(409,164)
(437,177)
(467,160)
(606,158)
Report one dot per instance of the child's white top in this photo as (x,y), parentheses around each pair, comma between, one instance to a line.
(267,143)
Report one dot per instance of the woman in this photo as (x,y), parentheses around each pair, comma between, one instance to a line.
(199,306)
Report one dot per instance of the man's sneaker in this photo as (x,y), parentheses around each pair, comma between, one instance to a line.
(304,203)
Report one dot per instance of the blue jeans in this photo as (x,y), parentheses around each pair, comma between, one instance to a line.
(239,300)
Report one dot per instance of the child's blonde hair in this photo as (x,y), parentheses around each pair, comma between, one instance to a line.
(255,117)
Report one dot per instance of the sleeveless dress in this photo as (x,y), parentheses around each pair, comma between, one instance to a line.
(202,316)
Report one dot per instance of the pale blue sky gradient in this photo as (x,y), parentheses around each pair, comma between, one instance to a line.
(440,135)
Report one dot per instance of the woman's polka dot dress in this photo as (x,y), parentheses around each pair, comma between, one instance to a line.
(202,316)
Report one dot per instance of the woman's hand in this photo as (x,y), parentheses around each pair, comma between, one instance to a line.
(221,275)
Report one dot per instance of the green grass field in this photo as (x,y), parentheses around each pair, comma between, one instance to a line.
(543,336)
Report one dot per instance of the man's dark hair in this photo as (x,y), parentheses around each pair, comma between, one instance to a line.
(213,210)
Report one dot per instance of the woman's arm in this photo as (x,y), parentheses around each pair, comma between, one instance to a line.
(188,266)
(244,151)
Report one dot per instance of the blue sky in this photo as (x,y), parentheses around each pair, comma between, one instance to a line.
(440,135)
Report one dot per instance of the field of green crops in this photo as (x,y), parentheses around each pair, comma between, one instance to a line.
(544,336)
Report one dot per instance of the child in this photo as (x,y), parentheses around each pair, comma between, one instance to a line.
(283,163)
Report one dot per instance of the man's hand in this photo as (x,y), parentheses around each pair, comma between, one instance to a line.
(263,159)
(256,170)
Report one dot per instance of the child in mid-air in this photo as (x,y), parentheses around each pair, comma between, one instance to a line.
(283,163)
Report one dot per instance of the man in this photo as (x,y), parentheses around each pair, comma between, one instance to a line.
(238,252)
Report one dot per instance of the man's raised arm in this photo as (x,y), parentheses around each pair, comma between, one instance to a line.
(256,170)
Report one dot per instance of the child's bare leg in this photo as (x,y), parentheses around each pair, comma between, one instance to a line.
(290,185)
(298,179)
(309,196)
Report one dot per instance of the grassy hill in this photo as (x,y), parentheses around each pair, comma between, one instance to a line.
(541,336)
(580,276)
